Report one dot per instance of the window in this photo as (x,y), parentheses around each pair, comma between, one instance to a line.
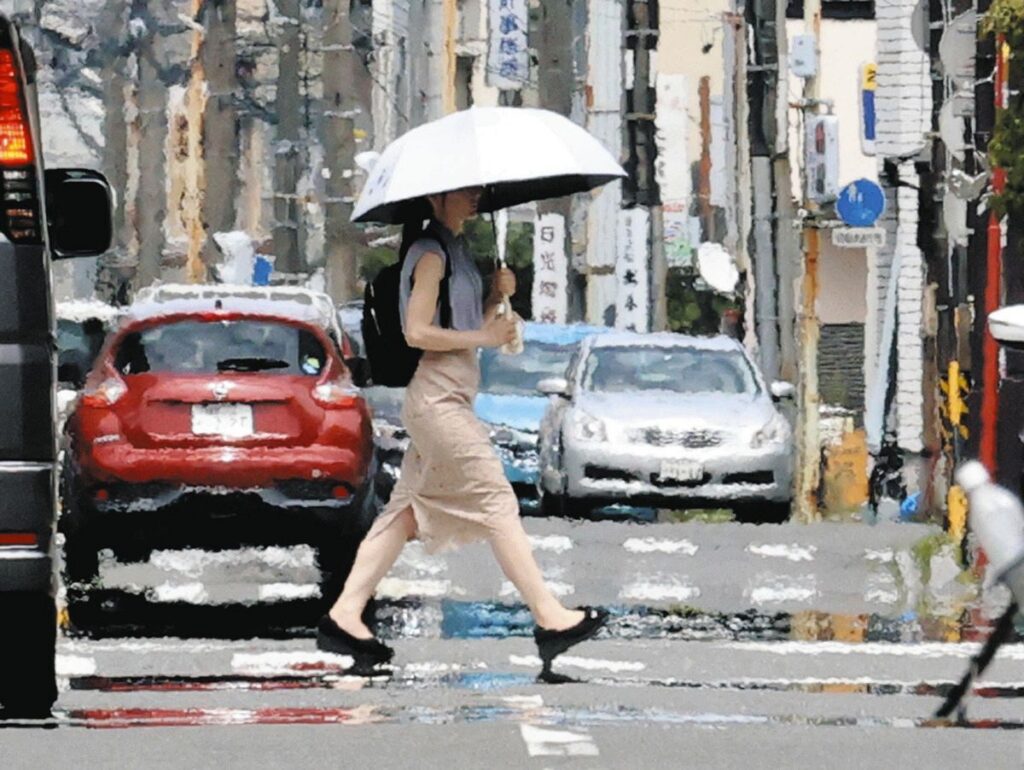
(210,347)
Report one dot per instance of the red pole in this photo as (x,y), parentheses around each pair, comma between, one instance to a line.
(993,292)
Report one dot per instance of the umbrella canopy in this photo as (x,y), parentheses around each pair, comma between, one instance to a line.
(516,154)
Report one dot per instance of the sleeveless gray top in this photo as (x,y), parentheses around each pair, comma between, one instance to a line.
(465,286)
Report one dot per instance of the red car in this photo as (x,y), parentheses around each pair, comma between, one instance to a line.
(219,422)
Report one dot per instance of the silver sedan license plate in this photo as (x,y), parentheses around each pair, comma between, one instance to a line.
(228,420)
(681,470)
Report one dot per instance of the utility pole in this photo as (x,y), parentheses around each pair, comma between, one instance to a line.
(288,108)
(762,94)
(343,74)
(220,123)
(147,139)
(787,245)
(640,115)
(808,444)
(555,82)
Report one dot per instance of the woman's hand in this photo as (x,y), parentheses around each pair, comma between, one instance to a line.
(499,330)
(503,283)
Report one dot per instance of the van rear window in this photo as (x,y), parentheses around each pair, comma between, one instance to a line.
(211,347)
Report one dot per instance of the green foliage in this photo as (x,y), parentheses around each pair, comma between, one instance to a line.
(1006,17)
(692,308)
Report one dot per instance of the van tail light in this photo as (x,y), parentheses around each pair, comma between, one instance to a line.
(19,538)
(335,395)
(107,393)
(17,156)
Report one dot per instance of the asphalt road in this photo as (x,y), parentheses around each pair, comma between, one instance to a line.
(731,646)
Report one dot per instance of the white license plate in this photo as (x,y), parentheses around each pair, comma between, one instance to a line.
(681,470)
(228,420)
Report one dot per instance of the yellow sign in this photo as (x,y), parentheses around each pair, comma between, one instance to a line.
(867,76)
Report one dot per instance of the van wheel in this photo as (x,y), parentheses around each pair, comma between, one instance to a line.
(28,684)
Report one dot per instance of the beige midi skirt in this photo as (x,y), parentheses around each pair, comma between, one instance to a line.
(450,476)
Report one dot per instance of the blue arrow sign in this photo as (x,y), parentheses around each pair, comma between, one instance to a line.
(861,203)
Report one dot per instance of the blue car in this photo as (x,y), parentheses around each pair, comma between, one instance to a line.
(510,403)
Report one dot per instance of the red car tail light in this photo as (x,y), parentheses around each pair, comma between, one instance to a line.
(334,395)
(15,139)
(107,393)
(19,538)
(17,156)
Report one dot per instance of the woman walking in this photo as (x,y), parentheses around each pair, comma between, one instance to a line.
(452,489)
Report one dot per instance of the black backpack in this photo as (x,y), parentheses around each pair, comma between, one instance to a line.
(392,361)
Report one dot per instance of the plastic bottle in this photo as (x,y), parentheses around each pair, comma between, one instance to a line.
(515,347)
(996,516)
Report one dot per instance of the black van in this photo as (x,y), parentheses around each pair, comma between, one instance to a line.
(44,215)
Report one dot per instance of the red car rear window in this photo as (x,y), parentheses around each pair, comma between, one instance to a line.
(210,347)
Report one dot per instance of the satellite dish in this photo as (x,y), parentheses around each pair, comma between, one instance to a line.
(958,45)
(951,129)
(717,267)
(1007,326)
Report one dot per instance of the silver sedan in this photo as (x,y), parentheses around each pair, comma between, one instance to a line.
(665,420)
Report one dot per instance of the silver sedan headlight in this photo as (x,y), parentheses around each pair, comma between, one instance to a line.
(775,431)
(586,427)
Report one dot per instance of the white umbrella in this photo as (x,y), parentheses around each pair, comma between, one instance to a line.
(516,154)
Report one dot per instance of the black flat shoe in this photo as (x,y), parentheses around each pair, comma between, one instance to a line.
(367,652)
(550,644)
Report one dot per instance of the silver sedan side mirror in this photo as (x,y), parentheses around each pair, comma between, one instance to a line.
(782,390)
(554,386)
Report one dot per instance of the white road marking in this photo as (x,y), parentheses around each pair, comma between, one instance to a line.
(524,701)
(588,664)
(773,589)
(191,593)
(396,588)
(193,561)
(271,592)
(552,543)
(793,552)
(660,590)
(557,587)
(656,545)
(74,665)
(557,743)
(917,650)
(883,555)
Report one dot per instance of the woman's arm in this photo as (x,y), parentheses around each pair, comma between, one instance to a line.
(420,331)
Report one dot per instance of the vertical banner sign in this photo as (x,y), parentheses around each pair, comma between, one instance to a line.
(867,107)
(550,297)
(508,63)
(632,301)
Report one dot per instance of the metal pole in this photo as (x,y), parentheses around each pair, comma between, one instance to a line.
(993,292)
(808,447)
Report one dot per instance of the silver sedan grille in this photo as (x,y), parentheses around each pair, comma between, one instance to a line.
(690,439)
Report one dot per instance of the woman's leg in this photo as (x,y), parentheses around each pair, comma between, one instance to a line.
(512,549)
(375,557)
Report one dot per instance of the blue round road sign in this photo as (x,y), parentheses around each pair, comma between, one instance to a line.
(861,203)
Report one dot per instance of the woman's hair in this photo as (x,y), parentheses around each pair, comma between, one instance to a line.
(415,227)
(412,231)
